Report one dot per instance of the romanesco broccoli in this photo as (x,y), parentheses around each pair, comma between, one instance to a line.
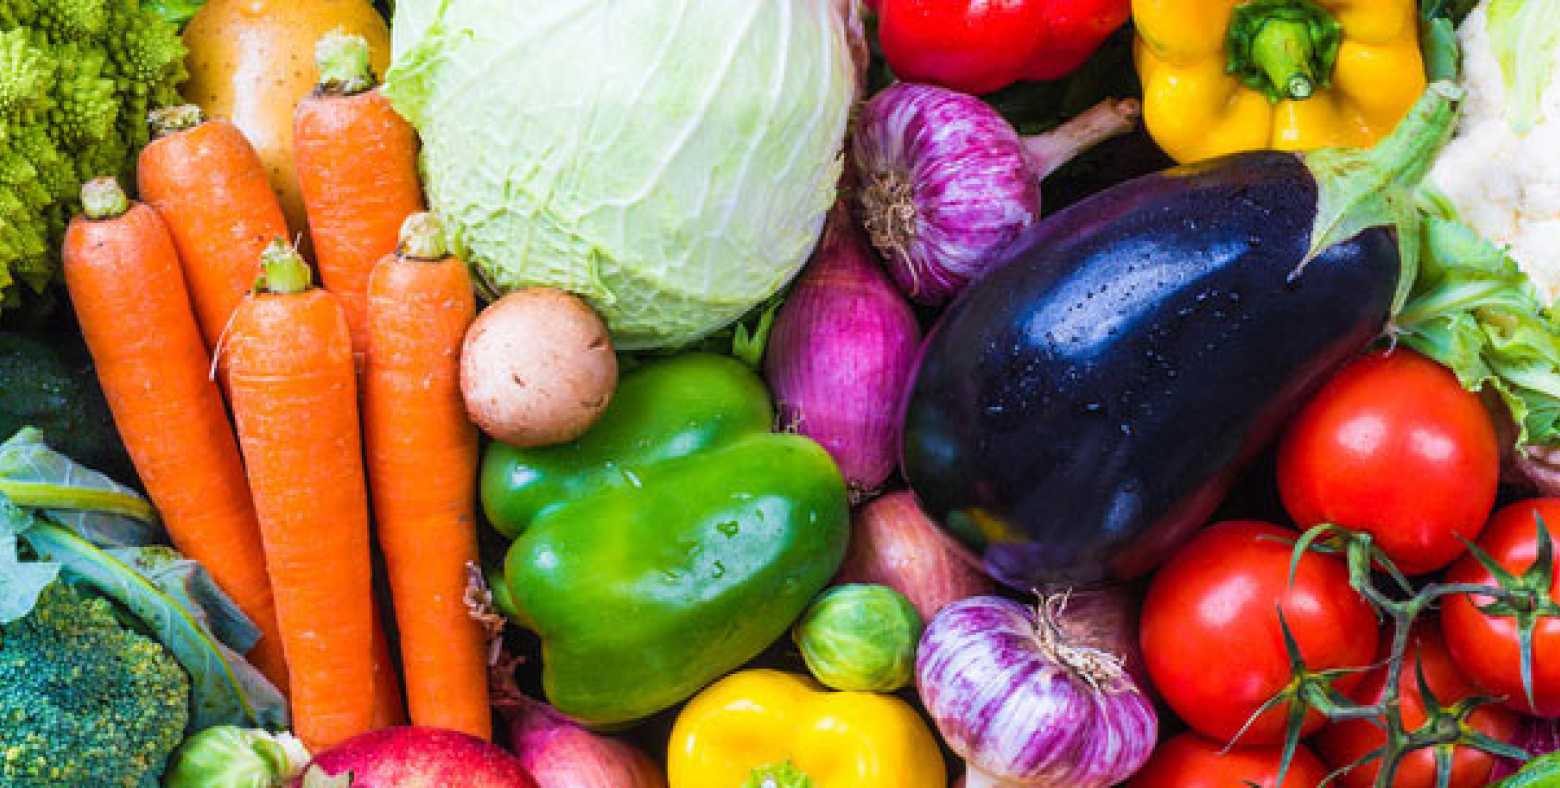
(77,78)
(83,700)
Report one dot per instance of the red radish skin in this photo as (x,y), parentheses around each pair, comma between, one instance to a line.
(411,757)
(894,543)
(560,754)
(840,357)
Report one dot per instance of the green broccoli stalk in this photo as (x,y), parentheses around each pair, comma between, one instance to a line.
(77,78)
(84,700)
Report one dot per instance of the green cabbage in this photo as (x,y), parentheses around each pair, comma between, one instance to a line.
(671,161)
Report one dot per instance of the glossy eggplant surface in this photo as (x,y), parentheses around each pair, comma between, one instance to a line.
(1078,412)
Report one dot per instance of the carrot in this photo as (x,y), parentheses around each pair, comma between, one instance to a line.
(294,395)
(124,280)
(357,170)
(207,183)
(422,469)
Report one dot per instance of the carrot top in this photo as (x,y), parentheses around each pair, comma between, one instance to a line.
(422,238)
(342,59)
(103,198)
(282,270)
(167,121)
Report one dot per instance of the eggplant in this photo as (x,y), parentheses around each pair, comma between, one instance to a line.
(1081,410)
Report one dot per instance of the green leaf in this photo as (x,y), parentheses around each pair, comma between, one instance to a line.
(225,688)
(1474,311)
(750,346)
(101,510)
(21,583)
(1524,35)
(188,582)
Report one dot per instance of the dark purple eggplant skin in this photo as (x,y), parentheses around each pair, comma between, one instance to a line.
(1083,409)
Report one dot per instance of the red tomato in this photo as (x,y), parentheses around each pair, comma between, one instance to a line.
(1190,761)
(1395,447)
(976,46)
(1343,743)
(1484,646)
(1211,636)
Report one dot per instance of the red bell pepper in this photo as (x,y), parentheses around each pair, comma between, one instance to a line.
(979,46)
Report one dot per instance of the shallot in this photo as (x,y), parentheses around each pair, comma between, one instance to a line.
(894,543)
(947,183)
(561,754)
(840,356)
(1024,704)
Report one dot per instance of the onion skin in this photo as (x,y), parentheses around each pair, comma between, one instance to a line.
(946,182)
(1019,706)
(840,356)
(894,543)
(1537,736)
(1107,619)
(560,754)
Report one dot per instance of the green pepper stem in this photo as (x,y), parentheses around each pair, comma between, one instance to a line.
(778,775)
(103,198)
(342,59)
(283,270)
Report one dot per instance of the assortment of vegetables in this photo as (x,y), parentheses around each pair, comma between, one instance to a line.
(650,394)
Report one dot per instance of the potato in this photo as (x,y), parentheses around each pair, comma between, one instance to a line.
(251,61)
(537,368)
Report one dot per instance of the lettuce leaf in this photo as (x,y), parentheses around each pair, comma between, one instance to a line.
(1474,311)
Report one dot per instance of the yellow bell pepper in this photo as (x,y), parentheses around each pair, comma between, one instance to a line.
(766,724)
(1221,76)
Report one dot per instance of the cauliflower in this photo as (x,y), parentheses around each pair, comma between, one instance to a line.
(84,701)
(1502,170)
(77,78)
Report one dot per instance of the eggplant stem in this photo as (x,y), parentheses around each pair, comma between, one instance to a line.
(1048,152)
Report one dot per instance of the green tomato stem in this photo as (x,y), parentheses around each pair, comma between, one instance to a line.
(103,198)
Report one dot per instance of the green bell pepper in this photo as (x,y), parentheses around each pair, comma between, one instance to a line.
(675,541)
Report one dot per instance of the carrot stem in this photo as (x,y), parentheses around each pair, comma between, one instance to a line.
(422,238)
(342,59)
(283,270)
(167,121)
(103,198)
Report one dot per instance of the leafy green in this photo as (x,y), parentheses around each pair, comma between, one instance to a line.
(1473,310)
(117,556)
(1524,35)
(89,503)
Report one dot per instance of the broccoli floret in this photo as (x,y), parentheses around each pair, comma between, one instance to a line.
(85,701)
(77,78)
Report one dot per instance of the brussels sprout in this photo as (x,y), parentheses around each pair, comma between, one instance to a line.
(860,637)
(230,757)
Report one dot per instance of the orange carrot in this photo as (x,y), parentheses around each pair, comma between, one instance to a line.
(422,469)
(294,394)
(389,706)
(207,183)
(357,170)
(124,280)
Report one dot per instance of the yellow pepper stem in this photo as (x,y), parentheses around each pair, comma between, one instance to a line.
(778,775)
(1284,52)
(1284,48)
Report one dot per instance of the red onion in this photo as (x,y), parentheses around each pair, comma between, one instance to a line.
(895,544)
(1537,736)
(840,357)
(947,183)
(1026,706)
(561,754)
